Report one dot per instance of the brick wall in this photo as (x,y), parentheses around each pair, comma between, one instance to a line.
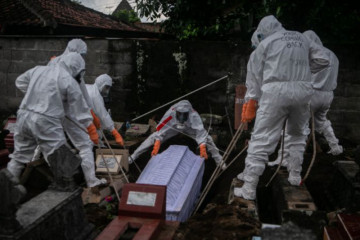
(149,73)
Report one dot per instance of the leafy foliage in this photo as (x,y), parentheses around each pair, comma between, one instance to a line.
(217,19)
(126,16)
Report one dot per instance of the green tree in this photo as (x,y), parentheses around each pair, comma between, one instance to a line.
(126,16)
(188,19)
(216,19)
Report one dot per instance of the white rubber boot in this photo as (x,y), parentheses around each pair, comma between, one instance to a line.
(248,190)
(294,178)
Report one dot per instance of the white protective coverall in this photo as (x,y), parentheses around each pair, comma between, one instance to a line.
(78,137)
(97,100)
(167,128)
(253,86)
(51,94)
(280,67)
(324,83)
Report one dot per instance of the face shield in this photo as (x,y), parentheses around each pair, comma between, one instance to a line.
(260,37)
(105,91)
(181,118)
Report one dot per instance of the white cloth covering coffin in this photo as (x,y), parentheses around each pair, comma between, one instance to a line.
(181,171)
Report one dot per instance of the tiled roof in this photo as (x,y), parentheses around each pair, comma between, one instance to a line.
(56,12)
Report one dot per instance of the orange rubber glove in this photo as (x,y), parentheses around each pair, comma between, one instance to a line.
(93,134)
(250,112)
(156,148)
(119,140)
(96,120)
(203,152)
(243,119)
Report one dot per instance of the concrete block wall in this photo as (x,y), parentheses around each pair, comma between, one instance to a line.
(345,109)
(149,73)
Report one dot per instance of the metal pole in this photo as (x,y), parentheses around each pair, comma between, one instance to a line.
(107,143)
(218,168)
(175,100)
(241,152)
(108,171)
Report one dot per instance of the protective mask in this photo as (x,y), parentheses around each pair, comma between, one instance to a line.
(260,37)
(105,91)
(107,99)
(80,76)
(182,117)
(180,126)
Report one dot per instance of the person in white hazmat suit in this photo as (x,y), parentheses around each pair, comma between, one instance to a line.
(280,70)
(180,118)
(77,136)
(97,91)
(324,83)
(77,46)
(51,93)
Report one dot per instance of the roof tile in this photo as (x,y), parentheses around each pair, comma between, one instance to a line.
(65,12)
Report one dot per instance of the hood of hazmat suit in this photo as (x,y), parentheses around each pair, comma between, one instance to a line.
(312,36)
(51,89)
(325,79)
(268,26)
(180,114)
(102,81)
(77,46)
(193,120)
(73,63)
(97,100)
(181,117)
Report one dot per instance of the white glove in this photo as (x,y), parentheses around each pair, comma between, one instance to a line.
(336,150)
(223,167)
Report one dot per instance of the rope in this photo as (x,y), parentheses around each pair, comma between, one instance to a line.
(135,164)
(112,152)
(108,171)
(233,160)
(314,148)
(218,168)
